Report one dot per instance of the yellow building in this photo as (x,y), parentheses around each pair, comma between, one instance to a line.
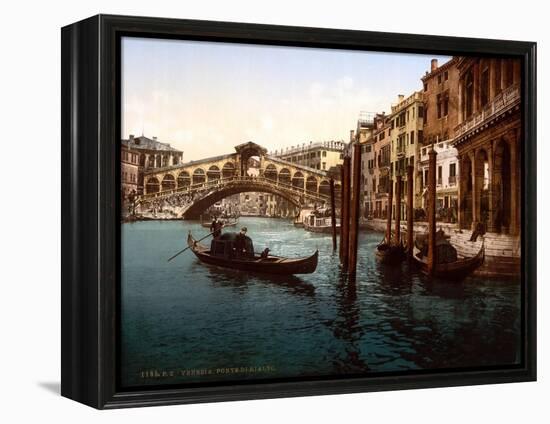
(406,132)
(322,155)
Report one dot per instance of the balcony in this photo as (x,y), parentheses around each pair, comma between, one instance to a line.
(401,149)
(501,103)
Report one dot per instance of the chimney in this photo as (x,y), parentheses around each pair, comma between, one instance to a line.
(351,135)
(434,64)
(131,137)
(155,138)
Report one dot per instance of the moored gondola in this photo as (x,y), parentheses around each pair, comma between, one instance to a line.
(449,265)
(388,253)
(222,252)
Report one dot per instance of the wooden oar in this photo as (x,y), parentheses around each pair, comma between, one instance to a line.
(181,251)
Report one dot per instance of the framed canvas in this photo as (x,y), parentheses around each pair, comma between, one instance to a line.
(254,211)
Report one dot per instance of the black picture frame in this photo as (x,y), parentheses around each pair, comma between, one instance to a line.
(90,178)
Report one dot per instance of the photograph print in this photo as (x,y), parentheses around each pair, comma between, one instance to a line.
(294,213)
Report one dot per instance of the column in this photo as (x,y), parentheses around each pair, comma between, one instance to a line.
(491,162)
(460,185)
(476,87)
(517,71)
(492,90)
(475,200)
(460,100)
(515,184)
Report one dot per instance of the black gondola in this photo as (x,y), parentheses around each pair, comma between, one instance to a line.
(222,253)
(449,265)
(389,253)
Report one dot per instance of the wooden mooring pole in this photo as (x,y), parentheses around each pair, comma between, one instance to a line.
(388,213)
(333,214)
(410,210)
(342,211)
(397,232)
(432,254)
(346,206)
(355,206)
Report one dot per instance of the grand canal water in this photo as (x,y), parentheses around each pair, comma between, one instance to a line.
(186,322)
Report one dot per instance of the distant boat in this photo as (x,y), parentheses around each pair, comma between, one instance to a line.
(319,224)
(449,265)
(221,253)
(231,223)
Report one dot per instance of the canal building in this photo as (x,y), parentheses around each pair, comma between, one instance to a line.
(364,135)
(152,154)
(406,134)
(129,171)
(381,172)
(440,98)
(488,137)
(320,155)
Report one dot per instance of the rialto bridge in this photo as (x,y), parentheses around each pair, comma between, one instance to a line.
(199,184)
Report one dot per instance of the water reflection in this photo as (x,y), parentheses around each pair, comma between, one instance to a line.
(238,279)
(388,319)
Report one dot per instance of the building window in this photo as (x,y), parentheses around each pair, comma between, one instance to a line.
(324,153)
(420,136)
(324,166)
(412,137)
(439,106)
(452,170)
(425,86)
(439,175)
(439,79)
(368,148)
(446,75)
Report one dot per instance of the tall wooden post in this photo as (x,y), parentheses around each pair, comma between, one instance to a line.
(432,254)
(397,232)
(346,206)
(410,210)
(342,211)
(388,214)
(333,214)
(355,205)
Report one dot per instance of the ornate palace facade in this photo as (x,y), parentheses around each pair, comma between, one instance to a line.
(487,138)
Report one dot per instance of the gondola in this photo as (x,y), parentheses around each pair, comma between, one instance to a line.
(225,224)
(389,253)
(452,270)
(221,253)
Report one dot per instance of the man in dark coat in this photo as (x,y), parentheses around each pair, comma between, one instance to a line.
(240,242)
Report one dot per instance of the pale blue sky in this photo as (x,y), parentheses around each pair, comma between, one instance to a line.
(206,97)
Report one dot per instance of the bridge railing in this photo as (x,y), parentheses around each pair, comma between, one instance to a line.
(208,185)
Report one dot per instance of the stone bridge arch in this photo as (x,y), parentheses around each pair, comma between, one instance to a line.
(200,205)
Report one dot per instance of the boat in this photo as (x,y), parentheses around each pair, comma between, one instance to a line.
(450,265)
(390,253)
(297,222)
(225,223)
(316,224)
(221,253)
